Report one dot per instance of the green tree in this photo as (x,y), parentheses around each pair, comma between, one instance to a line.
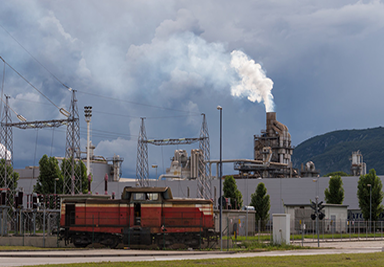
(49,171)
(80,171)
(339,173)
(260,200)
(12,177)
(231,191)
(334,194)
(373,192)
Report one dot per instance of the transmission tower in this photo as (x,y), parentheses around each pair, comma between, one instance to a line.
(6,152)
(72,179)
(204,182)
(142,157)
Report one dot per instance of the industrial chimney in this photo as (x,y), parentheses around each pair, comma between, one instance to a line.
(277,137)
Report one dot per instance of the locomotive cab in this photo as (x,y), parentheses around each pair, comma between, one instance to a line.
(139,198)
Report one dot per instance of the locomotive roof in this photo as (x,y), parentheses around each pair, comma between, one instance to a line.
(165,191)
(146,189)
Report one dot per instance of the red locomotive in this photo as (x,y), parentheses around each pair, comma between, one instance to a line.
(143,216)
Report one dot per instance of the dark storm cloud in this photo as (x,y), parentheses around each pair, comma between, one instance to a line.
(324,58)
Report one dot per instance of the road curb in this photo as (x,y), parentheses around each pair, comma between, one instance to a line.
(32,255)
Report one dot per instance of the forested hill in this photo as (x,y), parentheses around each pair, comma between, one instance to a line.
(332,151)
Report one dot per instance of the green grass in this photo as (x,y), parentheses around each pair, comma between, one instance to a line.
(247,246)
(267,237)
(369,259)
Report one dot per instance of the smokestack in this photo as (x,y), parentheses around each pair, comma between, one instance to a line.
(271,118)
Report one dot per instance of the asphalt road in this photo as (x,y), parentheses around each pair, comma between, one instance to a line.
(23,258)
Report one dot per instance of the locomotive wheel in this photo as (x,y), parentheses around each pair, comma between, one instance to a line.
(81,241)
(110,241)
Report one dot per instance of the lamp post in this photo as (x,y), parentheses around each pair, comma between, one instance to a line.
(221,180)
(246,207)
(370,206)
(88,115)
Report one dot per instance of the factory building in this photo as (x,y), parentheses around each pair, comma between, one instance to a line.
(358,167)
(272,152)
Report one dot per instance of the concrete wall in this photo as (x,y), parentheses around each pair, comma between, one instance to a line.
(34,241)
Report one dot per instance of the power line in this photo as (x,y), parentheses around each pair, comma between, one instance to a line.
(136,103)
(30,83)
(57,79)
(121,115)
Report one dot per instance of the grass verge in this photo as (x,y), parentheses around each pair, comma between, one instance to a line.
(368,259)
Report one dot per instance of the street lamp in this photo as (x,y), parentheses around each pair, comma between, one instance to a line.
(370,206)
(88,115)
(246,207)
(221,180)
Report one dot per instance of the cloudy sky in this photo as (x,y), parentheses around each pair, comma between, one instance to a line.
(170,61)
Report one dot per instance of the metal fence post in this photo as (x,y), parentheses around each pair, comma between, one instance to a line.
(93,231)
(44,225)
(58,227)
(341,230)
(23,226)
(349,224)
(358,230)
(227,233)
(313,230)
(323,229)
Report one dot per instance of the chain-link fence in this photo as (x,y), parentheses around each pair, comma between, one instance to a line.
(30,227)
(303,232)
(331,230)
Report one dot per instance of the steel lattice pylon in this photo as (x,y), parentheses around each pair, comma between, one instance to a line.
(204,181)
(142,157)
(72,179)
(6,153)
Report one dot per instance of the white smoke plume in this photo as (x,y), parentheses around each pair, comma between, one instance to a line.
(254,84)
(179,63)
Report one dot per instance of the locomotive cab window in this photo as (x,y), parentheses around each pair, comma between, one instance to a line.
(153,196)
(146,196)
(139,196)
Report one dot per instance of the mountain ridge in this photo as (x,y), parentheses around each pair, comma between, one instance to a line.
(331,151)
